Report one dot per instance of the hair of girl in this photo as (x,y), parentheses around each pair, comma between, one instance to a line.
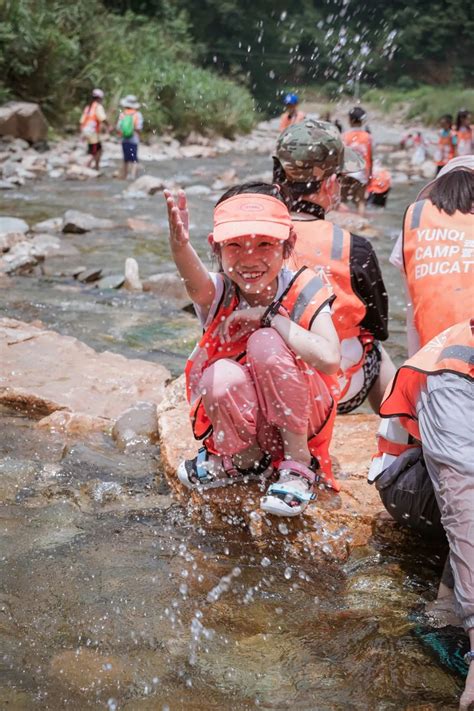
(454,191)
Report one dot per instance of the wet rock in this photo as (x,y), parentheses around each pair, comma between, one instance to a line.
(103,491)
(146,185)
(198,190)
(132,275)
(53,225)
(81,172)
(79,222)
(167,286)
(138,225)
(57,377)
(428,169)
(23,120)
(331,527)
(399,178)
(46,245)
(20,261)
(225,180)
(137,425)
(9,239)
(114,281)
(13,224)
(6,185)
(85,669)
(89,275)
(196,151)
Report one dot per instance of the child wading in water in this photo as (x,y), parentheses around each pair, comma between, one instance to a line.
(262,379)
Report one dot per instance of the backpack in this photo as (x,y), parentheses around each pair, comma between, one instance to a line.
(127,126)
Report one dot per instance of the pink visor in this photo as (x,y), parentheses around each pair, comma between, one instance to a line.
(251,214)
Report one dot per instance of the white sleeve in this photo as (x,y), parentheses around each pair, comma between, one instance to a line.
(396,258)
(205,316)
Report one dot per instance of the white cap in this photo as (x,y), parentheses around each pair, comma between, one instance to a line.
(97,93)
(453,164)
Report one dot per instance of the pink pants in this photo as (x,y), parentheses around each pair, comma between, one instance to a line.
(251,403)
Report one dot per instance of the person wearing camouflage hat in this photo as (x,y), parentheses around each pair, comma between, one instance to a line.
(310,160)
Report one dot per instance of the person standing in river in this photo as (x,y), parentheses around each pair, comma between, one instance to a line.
(93,119)
(360,140)
(129,127)
(261,382)
(446,147)
(310,158)
(292,114)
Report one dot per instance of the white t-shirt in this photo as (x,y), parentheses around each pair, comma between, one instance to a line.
(284,279)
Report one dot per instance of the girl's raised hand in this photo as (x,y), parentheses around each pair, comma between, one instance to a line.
(178,219)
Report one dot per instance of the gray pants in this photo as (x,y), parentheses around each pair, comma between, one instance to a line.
(445,412)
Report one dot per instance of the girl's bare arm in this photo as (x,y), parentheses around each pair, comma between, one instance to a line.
(319,347)
(197,280)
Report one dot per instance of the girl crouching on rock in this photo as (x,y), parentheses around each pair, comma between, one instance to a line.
(261,382)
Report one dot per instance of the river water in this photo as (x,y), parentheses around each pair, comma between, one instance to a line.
(111,597)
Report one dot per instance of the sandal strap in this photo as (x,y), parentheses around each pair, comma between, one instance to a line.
(283,489)
(299,469)
(229,467)
(201,471)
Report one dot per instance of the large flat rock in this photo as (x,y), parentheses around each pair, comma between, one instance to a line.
(332,526)
(68,385)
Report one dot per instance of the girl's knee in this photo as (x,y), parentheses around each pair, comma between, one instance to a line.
(221,379)
(264,346)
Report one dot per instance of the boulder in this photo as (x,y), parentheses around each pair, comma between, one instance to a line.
(331,527)
(113,281)
(46,245)
(69,385)
(428,169)
(132,275)
(13,224)
(136,426)
(79,222)
(196,151)
(167,286)
(24,120)
(8,240)
(20,261)
(52,225)
(136,224)
(81,172)
(145,185)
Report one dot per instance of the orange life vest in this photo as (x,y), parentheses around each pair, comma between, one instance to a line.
(303,300)
(464,145)
(446,147)
(89,121)
(451,351)
(361,142)
(438,257)
(323,246)
(287,120)
(380,182)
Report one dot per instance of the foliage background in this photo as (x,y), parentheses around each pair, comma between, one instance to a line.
(210,64)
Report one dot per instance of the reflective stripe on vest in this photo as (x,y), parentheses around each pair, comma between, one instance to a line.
(438,257)
(325,247)
(451,351)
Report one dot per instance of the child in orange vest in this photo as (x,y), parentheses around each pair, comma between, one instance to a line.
(357,138)
(261,380)
(447,142)
(465,146)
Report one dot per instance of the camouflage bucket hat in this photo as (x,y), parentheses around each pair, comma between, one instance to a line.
(313,150)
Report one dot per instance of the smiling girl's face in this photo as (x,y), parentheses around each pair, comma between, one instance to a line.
(253,262)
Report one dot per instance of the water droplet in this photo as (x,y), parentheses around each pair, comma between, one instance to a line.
(288,573)
(265,562)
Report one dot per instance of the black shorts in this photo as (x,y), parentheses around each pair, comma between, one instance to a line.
(378,199)
(94,148)
(371,370)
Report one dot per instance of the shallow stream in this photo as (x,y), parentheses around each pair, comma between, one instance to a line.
(111,597)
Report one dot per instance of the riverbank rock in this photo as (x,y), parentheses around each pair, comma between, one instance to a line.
(76,222)
(67,385)
(145,185)
(22,119)
(168,286)
(13,225)
(81,172)
(331,527)
(136,425)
